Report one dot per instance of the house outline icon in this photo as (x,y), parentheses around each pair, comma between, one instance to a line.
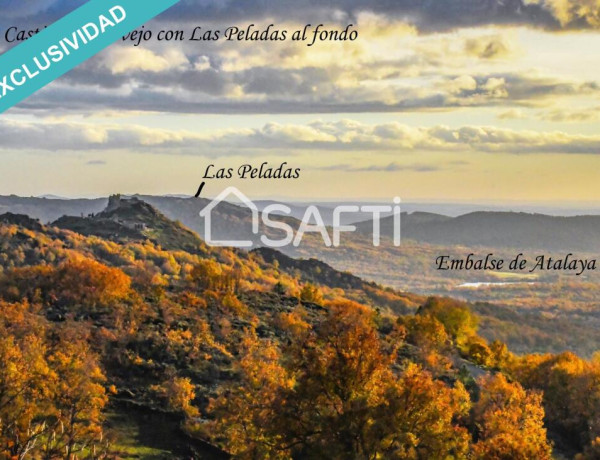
(206,213)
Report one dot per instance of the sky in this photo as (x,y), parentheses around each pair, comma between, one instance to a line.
(454,101)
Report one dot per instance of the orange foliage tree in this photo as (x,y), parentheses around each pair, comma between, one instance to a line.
(510,422)
(51,388)
(334,395)
(78,281)
(90,283)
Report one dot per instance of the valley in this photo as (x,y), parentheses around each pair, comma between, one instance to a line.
(544,311)
(127,319)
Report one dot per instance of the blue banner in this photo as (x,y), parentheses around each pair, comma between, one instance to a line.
(67,43)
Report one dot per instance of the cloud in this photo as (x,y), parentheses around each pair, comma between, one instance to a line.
(461,84)
(512,114)
(319,136)
(121,60)
(19,8)
(572,13)
(61,136)
(571,116)
(392,67)
(390,167)
(492,47)
(426,16)
(184,89)
(95,163)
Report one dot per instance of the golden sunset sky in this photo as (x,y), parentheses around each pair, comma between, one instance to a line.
(466,100)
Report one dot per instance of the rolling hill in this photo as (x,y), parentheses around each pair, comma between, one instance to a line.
(169,348)
(516,230)
(498,230)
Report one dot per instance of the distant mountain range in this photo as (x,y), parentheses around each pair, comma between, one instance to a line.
(409,270)
(50,209)
(517,230)
(498,230)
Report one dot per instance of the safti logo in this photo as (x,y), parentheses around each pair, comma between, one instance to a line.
(311,222)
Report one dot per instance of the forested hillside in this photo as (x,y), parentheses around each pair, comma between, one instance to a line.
(256,355)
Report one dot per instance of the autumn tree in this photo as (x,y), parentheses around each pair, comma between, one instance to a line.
(501,357)
(571,388)
(32,283)
(422,420)
(51,387)
(477,350)
(209,274)
(311,293)
(192,346)
(456,317)
(432,342)
(180,393)
(245,413)
(333,394)
(78,398)
(76,282)
(25,395)
(510,422)
(90,283)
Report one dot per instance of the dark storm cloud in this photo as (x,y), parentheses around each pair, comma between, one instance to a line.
(257,80)
(521,89)
(268,90)
(213,78)
(427,15)
(274,81)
